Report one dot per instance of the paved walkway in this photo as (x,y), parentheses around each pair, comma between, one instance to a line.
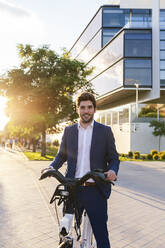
(136,206)
(25,218)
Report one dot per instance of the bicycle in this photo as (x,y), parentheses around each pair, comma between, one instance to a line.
(66,191)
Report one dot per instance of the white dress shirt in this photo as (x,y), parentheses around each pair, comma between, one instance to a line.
(84,146)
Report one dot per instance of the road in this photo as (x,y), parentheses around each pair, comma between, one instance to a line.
(136,206)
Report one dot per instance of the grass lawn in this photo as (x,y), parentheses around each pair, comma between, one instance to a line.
(50,157)
(37,156)
(131,159)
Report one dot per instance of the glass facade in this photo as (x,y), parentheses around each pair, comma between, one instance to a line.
(127,59)
(110,117)
(91,49)
(162,54)
(141,17)
(108,56)
(124,116)
(108,34)
(110,79)
(138,43)
(114,17)
(90,31)
(162,19)
(138,71)
(114,118)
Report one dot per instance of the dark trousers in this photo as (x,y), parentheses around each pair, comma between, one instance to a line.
(95,204)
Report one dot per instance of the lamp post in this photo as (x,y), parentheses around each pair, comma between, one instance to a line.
(137,98)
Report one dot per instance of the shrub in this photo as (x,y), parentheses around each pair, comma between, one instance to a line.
(48,143)
(56,143)
(162,156)
(143,157)
(52,151)
(155,157)
(130,154)
(135,156)
(137,153)
(152,152)
(149,156)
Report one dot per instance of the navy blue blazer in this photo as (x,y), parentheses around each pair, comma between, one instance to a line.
(103,154)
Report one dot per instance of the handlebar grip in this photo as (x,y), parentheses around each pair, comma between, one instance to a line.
(53,173)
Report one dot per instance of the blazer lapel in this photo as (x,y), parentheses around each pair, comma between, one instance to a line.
(75,141)
(94,140)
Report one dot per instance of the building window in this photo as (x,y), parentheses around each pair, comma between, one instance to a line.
(138,71)
(113,18)
(162,19)
(114,118)
(162,54)
(162,35)
(108,35)
(102,118)
(162,77)
(162,64)
(141,17)
(124,116)
(138,44)
(162,44)
(108,122)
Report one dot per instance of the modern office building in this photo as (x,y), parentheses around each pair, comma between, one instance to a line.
(118,44)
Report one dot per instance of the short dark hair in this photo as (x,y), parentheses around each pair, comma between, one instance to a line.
(85,96)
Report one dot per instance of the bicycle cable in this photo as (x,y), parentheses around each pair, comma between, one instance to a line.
(58,221)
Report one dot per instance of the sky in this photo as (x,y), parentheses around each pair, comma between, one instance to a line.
(37,22)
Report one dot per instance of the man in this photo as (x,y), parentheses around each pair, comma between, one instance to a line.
(86,146)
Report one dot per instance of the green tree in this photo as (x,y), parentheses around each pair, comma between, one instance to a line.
(159,129)
(23,134)
(41,90)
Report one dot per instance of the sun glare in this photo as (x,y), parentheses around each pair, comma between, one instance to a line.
(3,118)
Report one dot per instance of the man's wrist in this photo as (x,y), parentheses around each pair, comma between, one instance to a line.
(51,167)
(112,171)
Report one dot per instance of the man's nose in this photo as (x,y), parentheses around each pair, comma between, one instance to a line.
(86,110)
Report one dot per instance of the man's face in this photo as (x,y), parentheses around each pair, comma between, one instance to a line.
(86,111)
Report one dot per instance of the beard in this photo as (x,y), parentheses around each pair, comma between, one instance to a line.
(86,118)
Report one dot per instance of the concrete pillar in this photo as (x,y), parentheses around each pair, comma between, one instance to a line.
(156,48)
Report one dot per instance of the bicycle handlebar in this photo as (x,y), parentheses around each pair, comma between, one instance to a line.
(97,176)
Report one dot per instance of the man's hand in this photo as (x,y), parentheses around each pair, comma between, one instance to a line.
(111,175)
(44,170)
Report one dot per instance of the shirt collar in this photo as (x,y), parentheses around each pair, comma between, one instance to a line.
(91,124)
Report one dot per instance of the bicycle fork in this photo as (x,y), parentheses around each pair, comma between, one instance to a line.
(87,236)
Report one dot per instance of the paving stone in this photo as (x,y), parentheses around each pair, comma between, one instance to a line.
(27,220)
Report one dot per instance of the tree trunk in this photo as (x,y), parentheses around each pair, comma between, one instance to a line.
(34,144)
(43,145)
(159,142)
(29,143)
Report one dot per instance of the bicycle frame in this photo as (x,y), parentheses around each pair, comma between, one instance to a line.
(66,224)
(87,239)
(87,234)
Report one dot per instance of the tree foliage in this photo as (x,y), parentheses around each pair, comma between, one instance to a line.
(159,128)
(41,90)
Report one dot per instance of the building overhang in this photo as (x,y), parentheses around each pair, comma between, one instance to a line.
(139,4)
(124,96)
